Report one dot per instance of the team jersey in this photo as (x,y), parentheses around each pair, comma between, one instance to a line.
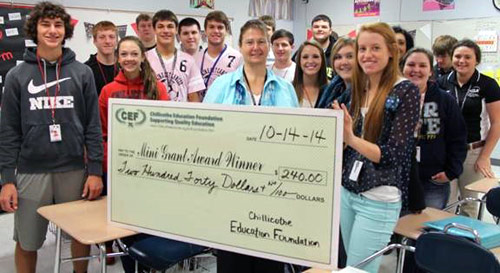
(183,79)
(229,61)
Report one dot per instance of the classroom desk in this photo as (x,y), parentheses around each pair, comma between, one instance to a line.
(86,222)
(346,270)
(410,227)
(484,185)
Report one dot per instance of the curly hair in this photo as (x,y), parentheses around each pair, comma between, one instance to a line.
(47,10)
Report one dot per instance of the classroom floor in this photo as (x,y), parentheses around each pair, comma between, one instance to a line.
(46,255)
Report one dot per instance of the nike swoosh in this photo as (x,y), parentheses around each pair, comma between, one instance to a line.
(32,89)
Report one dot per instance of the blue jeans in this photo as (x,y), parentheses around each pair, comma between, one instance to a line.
(366,226)
(436,194)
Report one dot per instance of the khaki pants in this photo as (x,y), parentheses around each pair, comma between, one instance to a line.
(469,176)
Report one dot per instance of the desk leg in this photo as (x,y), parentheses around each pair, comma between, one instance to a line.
(102,255)
(57,263)
(402,254)
(481,208)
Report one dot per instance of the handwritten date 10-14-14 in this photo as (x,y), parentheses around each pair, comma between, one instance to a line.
(291,134)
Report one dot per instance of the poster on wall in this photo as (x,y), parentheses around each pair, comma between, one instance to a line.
(12,41)
(431,5)
(487,40)
(366,8)
(196,4)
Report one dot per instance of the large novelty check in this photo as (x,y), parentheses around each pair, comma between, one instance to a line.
(254,180)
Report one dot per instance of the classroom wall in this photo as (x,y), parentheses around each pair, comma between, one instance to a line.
(236,9)
(341,12)
(411,10)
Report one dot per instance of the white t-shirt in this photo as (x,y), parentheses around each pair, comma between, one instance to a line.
(229,61)
(286,73)
(184,79)
(270,58)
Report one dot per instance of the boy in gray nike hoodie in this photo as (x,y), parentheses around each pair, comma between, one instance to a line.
(50,134)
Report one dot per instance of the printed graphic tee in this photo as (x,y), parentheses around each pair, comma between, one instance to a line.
(180,75)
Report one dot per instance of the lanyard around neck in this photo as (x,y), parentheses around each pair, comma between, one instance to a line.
(249,87)
(207,79)
(52,102)
(104,75)
(465,97)
(169,79)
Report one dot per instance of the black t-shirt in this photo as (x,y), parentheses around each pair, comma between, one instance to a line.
(103,74)
(472,98)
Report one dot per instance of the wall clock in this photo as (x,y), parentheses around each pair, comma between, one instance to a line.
(496,3)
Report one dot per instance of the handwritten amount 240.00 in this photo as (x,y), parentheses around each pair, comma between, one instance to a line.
(291,134)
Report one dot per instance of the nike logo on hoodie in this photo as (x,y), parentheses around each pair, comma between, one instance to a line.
(33,89)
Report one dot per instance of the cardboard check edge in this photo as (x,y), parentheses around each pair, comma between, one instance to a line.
(262,248)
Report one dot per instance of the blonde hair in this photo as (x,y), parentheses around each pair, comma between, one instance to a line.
(372,126)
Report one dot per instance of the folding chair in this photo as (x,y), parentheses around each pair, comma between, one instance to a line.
(493,202)
(160,253)
(491,199)
(440,252)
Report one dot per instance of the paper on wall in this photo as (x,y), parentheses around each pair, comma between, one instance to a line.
(15,16)
(11,32)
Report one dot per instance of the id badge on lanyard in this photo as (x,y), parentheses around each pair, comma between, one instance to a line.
(55,132)
(54,129)
(356,169)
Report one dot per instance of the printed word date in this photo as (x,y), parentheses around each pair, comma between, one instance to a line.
(291,135)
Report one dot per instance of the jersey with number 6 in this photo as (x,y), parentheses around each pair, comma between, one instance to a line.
(228,62)
(183,80)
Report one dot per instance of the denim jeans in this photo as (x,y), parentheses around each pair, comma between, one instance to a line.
(436,194)
(366,226)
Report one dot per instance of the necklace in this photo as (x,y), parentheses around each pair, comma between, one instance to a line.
(286,70)
(308,97)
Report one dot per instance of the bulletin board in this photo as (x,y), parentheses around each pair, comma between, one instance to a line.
(12,41)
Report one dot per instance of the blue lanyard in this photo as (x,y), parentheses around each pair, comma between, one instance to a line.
(207,79)
(169,79)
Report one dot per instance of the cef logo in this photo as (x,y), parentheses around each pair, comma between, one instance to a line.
(132,118)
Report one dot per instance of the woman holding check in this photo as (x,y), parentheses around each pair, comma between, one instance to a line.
(251,84)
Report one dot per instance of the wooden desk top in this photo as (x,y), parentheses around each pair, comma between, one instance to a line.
(484,185)
(84,220)
(410,226)
(346,270)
